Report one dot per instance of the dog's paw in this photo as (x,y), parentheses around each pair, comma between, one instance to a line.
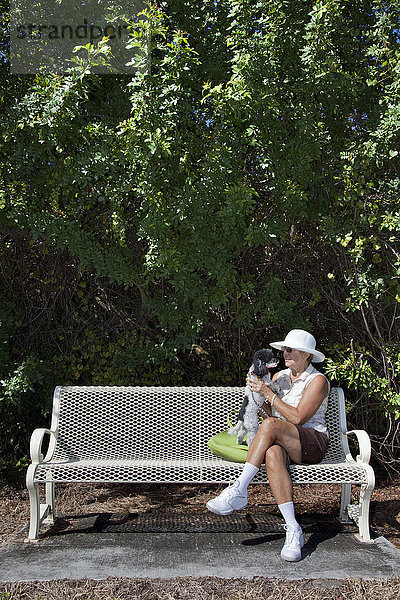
(250,438)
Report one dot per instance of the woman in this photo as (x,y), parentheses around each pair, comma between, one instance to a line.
(297,435)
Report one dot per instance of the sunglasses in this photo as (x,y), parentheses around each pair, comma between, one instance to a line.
(288,350)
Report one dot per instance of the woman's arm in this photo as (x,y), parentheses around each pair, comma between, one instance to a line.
(311,400)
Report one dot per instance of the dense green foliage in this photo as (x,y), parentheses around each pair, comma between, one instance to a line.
(159,228)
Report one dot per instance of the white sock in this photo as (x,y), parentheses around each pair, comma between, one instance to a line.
(248,473)
(287,510)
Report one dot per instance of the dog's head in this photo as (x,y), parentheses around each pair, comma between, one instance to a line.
(263,360)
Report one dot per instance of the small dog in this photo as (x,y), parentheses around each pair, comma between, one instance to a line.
(263,360)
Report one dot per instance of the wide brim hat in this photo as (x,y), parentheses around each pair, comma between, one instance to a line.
(298,339)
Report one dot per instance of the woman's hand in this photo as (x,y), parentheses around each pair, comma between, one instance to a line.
(257,385)
(260,387)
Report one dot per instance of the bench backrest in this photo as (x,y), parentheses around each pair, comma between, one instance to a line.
(153,422)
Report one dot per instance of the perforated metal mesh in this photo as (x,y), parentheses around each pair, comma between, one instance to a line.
(335,451)
(155,434)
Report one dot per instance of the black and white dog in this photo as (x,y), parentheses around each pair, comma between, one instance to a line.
(263,361)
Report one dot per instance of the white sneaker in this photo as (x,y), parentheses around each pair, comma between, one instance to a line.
(230,499)
(291,551)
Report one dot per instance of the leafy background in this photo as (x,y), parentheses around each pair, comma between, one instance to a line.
(159,228)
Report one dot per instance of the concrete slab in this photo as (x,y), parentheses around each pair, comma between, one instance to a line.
(96,548)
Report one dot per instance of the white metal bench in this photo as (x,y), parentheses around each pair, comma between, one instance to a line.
(160,434)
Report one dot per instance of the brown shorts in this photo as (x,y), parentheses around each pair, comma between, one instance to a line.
(314,445)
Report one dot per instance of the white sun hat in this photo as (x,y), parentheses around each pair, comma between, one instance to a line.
(298,339)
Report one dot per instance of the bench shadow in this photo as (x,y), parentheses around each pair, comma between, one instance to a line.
(317,528)
(100,522)
(159,521)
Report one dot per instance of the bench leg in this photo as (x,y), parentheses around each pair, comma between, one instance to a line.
(50,502)
(363,517)
(359,513)
(34,501)
(365,497)
(344,502)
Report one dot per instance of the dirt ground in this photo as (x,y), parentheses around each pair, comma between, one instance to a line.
(202,588)
(72,501)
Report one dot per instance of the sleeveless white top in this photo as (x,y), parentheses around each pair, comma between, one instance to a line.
(293,391)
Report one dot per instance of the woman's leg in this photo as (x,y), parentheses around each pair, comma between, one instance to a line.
(275,432)
(271,432)
(281,484)
(276,460)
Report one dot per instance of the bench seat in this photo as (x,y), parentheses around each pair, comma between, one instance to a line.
(193,470)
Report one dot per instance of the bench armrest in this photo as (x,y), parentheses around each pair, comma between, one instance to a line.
(364,444)
(36,444)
